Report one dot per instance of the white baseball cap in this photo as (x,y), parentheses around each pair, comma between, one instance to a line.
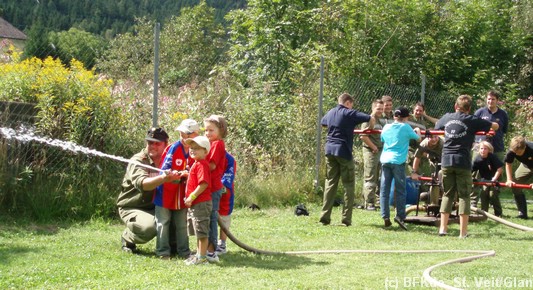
(188,126)
(202,141)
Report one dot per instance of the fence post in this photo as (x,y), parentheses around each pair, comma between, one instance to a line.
(423,88)
(318,125)
(156,74)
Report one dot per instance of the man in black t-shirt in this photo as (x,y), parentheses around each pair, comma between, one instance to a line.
(459,133)
(523,152)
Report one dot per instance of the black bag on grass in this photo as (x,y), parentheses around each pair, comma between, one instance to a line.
(301,210)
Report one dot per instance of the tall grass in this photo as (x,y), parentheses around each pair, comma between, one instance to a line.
(278,189)
(46,184)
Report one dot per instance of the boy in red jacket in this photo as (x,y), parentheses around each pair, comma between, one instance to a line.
(198,197)
(170,209)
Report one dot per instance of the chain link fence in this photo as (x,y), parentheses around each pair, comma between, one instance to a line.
(365,91)
(58,99)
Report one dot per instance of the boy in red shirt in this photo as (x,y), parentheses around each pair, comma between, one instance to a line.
(198,197)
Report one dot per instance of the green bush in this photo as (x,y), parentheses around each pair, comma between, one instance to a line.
(74,104)
(77,44)
(522,123)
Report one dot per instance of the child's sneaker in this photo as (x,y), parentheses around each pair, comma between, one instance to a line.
(221,249)
(194,260)
(212,257)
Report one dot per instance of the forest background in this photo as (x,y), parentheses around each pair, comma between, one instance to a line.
(88,70)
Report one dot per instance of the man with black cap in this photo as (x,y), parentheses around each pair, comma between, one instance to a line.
(134,203)
(395,138)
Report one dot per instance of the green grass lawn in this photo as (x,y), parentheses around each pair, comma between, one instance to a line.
(87,255)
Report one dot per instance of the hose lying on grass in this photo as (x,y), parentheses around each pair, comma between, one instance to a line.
(502,221)
(481,212)
(427,272)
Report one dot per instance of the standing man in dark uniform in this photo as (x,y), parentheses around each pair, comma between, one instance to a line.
(341,122)
(372,147)
(493,113)
(459,133)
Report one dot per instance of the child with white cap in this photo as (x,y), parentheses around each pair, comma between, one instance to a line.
(170,209)
(198,198)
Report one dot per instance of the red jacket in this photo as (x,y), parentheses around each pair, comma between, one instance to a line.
(171,194)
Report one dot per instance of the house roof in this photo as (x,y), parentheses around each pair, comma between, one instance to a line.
(9,31)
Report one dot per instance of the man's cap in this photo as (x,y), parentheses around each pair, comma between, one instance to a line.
(401,112)
(188,126)
(202,141)
(156,135)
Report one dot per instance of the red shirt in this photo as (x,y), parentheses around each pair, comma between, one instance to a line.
(199,173)
(217,155)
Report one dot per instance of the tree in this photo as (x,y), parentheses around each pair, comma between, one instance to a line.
(454,43)
(37,44)
(77,44)
(269,38)
(523,22)
(130,55)
(471,52)
(191,46)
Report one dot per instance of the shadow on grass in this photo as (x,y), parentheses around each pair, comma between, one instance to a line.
(9,253)
(486,229)
(241,259)
(11,229)
(271,262)
(43,230)
(13,224)
(393,228)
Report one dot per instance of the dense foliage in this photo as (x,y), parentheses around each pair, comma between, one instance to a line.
(74,105)
(77,44)
(262,73)
(190,45)
(453,43)
(101,17)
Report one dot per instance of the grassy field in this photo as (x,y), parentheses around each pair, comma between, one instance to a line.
(87,255)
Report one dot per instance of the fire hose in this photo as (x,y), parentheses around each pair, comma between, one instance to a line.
(474,255)
(427,272)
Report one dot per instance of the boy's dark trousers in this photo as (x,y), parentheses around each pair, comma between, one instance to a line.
(489,195)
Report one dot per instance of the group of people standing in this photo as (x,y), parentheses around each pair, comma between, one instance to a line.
(398,149)
(192,185)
